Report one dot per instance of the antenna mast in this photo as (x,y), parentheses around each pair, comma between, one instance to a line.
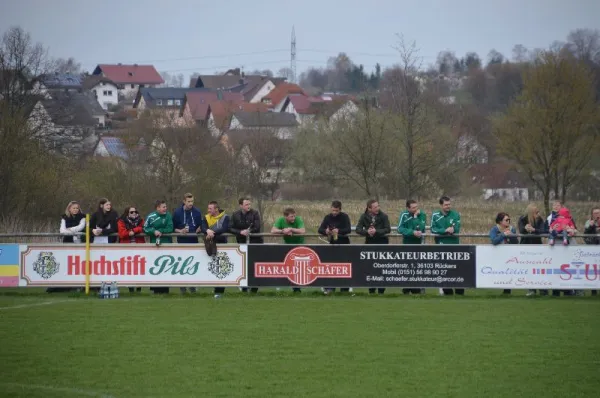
(293,56)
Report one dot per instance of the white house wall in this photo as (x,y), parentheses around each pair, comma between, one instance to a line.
(107,94)
(264,90)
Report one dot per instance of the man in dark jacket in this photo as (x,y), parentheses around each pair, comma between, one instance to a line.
(187,219)
(216,224)
(337,228)
(374,225)
(246,221)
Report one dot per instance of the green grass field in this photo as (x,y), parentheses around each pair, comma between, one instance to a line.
(276,345)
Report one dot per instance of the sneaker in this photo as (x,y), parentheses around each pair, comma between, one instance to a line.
(217,296)
(441,292)
(565,242)
(530,293)
(551,242)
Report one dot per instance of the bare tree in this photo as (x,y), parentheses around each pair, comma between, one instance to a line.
(172,80)
(585,44)
(520,53)
(69,65)
(414,121)
(286,73)
(551,130)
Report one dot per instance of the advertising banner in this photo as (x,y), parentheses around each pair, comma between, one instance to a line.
(136,265)
(538,267)
(9,265)
(361,265)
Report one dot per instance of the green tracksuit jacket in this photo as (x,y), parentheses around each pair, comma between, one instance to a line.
(159,222)
(440,222)
(408,224)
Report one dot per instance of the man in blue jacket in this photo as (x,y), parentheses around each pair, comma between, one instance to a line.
(187,219)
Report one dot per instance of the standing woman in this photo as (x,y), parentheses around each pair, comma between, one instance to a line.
(130,225)
(72,222)
(532,223)
(103,223)
(503,233)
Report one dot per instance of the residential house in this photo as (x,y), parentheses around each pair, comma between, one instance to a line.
(111,147)
(220,113)
(499,181)
(276,98)
(52,82)
(167,102)
(283,124)
(67,123)
(196,103)
(252,87)
(301,106)
(104,89)
(130,78)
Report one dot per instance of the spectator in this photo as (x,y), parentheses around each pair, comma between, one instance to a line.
(562,226)
(446,225)
(72,223)
(411,226)
(130,227)
(532,224)
(292,229)
(158,223)
(556,206)
(374,225)
(187,219)
(592,228)
(216,224)
(245,222)
(104,223)
(336,227)
(502,234)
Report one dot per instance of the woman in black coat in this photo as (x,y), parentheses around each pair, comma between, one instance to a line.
(103,223)
(532,223)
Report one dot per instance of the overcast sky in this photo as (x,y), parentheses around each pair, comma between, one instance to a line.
(196,35)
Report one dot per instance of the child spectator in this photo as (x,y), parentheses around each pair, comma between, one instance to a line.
(563,225)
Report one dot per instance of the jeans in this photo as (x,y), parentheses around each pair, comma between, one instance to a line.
(562,233)
(380,290)
(183,290)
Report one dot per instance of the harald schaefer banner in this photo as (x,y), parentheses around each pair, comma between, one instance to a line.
(538,267)
(65,265)
(362,265)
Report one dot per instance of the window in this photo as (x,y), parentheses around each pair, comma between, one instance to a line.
(133,86)
(158,102)
(110,92)
(169,102)
(105,92)
(178,102)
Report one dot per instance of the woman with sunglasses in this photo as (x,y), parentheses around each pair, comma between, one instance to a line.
(503,233)
(130,227)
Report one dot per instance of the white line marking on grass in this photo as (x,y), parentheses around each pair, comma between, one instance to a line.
(15,307)
(77,391)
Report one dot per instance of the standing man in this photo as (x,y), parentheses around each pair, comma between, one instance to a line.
(187,219)
(336,227)
(411,226)
(292,229)
(246,221)
(374,225)
(216,225)
(157,223)
(446,225)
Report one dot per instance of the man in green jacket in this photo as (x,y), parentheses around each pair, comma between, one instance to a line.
(292,228)
(157,223)
(446,224)
(411,226)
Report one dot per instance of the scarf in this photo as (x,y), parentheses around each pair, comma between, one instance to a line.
(131,223)
(212,220)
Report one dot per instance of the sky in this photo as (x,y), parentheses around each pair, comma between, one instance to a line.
(187,36)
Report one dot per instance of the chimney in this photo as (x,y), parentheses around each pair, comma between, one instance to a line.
(135,65)
(119,64)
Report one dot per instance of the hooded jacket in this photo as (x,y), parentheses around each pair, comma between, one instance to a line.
(408,224)
(563,220)
(440,222)
(219,225)
(192,218)
(159,222)
(380,221)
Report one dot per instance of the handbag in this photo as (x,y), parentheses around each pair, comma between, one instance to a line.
(211,246)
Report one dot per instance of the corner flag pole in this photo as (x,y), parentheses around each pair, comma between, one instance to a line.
(87,254)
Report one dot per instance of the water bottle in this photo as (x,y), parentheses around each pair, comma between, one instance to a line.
(102,290)
(158,241)
(115,290)
(108,293)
